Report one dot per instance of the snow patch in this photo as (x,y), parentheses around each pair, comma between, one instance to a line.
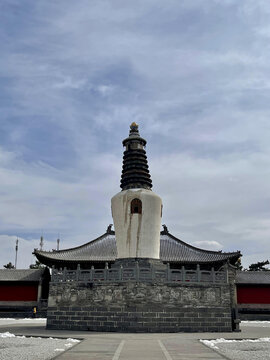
(213,343)
(27,319)
(255,322)
(68,345)
(22,347)
(6,335)
(73,340)
(261,323)
(12,321)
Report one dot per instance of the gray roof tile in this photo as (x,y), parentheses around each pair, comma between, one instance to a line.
(20,274)
(253,277)
(104,249)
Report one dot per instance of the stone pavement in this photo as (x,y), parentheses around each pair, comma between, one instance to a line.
(119,346)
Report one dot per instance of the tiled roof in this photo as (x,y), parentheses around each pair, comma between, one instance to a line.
(104,249)
(21,274)
(253,277)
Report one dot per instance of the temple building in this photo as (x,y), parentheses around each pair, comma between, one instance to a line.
(136,278)
(136,185)
(253,295)
(103,250)
(23,289)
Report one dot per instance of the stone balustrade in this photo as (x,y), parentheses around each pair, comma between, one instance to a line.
(140,274)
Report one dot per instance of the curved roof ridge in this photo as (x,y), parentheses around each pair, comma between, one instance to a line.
(75,247)
(103,248)
(198,249)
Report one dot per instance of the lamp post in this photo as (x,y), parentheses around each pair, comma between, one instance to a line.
(16,252)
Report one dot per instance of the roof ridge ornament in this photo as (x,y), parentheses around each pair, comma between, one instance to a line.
(109,229)
(165,229)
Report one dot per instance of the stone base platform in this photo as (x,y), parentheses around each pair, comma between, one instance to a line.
(140,307)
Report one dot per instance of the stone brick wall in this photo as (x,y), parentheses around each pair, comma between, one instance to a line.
(139,307)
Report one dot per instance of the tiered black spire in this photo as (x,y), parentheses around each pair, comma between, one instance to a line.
(135,172)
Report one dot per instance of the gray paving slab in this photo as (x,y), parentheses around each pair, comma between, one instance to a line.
(120,346)
(152,348)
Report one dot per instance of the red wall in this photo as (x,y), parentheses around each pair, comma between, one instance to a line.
(253,295)
(18,292)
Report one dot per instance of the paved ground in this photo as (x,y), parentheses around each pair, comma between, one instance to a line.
(118,346)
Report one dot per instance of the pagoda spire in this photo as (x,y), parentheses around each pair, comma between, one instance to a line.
(136,210)
(135,171)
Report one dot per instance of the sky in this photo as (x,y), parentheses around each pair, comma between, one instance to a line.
(195,76)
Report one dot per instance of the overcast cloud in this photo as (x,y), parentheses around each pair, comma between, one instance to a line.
(195,76)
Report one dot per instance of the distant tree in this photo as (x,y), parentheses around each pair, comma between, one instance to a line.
(37,265)
(9,266)
(259,266)
(238,264)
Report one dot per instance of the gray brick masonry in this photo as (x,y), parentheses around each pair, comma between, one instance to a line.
(140,307)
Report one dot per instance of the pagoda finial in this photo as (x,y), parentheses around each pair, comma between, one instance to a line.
(134,129)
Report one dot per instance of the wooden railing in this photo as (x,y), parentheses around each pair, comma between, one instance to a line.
(140,274)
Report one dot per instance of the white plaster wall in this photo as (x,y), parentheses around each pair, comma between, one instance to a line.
(137,235)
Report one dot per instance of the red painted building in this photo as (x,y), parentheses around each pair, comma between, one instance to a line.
(253,294)
(21,290)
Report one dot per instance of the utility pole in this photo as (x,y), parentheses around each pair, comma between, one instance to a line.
(16,252)
(58,242)
(41,243)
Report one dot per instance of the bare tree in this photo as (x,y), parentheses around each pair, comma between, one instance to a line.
(259,266)
(9,266)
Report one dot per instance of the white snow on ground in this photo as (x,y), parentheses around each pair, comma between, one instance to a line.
(255,323)
(213,343)
(251,349)
(11,321)
(6,335)
(31,348)
(25,319)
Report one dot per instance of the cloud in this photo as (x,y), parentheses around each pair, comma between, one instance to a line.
(210,245)
(193,74)
(69,83)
